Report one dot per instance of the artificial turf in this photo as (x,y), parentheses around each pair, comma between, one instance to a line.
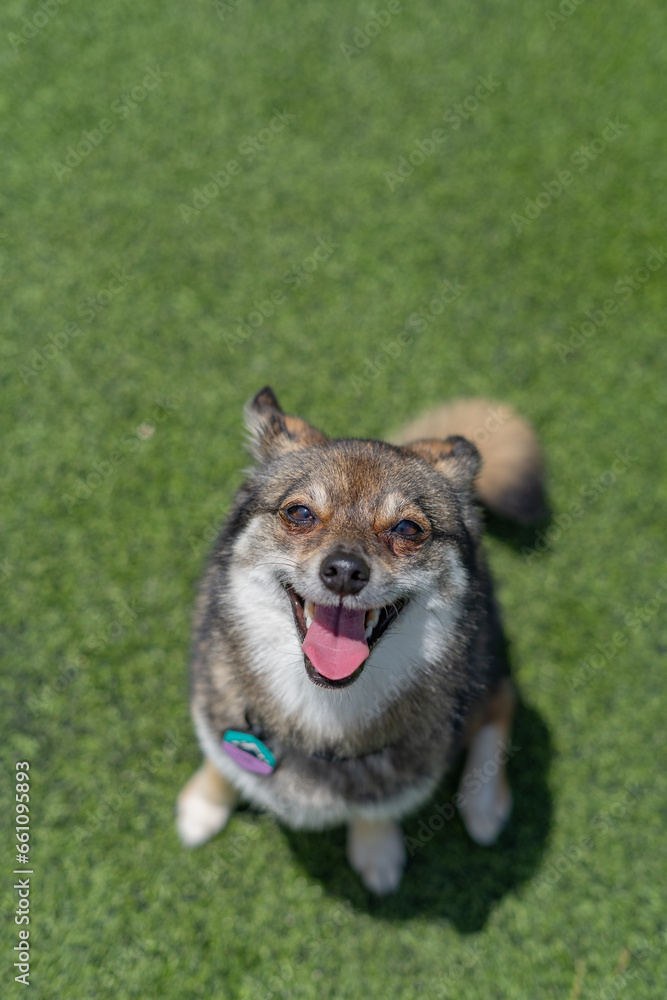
(139,263)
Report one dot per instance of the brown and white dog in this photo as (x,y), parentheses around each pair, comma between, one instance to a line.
(347,645)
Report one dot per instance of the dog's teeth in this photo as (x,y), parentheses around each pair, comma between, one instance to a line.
(372,618)
(308,612)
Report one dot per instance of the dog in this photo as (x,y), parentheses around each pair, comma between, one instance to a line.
(347,645)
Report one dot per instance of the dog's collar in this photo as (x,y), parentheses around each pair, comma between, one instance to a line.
(251,749)
(249,752)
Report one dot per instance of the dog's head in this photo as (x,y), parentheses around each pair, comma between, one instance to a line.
(353,533)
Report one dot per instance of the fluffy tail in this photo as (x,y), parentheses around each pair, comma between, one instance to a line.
(511,482)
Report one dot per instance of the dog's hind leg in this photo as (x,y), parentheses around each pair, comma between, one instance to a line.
(485,798)
(204,805)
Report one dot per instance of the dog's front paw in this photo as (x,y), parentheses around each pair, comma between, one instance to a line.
(377,853)
(486,810)
(197,819)
(204,806)
(486,813)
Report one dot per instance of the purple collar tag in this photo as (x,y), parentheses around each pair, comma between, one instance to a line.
(248,752)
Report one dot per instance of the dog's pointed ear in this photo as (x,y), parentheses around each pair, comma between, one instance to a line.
(457,458)
(274,433)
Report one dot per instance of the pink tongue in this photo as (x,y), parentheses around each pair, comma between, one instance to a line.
(335,642)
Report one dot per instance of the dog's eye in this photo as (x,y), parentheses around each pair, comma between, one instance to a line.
(408,529)
(298,512)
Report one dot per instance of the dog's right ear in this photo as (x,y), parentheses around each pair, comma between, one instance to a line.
(274,433)
(456,458)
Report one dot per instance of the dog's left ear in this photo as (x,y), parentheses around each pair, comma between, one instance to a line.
(456,457)
(274,433)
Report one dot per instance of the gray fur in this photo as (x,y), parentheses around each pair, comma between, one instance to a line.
(388,757)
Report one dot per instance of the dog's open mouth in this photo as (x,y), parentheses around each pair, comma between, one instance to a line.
(336,641)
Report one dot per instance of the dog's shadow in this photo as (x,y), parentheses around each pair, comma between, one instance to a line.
(447,875)
(521,537)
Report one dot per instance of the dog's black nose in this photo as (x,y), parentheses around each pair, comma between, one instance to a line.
(344,573)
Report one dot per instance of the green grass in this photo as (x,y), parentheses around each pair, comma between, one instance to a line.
(97,588)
